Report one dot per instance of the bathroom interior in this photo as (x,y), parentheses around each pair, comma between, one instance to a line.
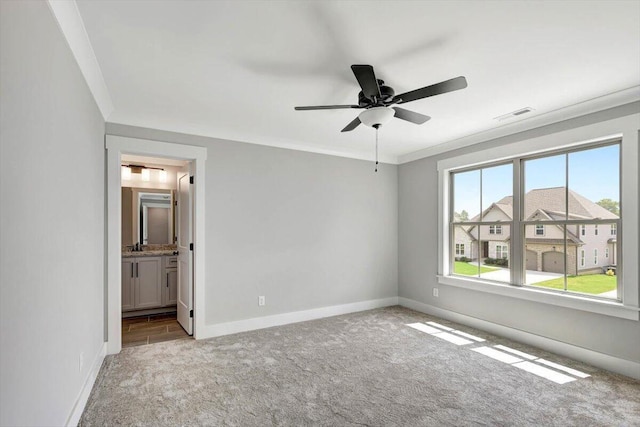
(149,251)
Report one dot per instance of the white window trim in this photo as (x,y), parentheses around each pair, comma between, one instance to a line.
(595,257)
(583,259)
(625,128)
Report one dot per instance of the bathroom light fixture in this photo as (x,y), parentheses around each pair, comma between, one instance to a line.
(126,173)
(144,171)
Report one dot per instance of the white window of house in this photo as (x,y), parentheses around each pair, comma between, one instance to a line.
(606,253)
(614,229)
(502,251)
(548,196)
(495,229)
(595,257)
(595,229)
(460,249)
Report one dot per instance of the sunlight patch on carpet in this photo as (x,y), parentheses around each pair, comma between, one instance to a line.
(543,372)
(454,339)
(497,355)
(502,353)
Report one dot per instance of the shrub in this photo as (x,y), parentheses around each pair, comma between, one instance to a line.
(501,262)
(463,259)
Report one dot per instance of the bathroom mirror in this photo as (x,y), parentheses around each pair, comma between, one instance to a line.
(155,218)
(148,216)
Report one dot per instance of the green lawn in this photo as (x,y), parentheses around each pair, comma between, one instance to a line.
(469,269)
(588,284)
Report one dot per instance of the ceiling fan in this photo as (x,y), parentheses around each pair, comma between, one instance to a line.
(376,99)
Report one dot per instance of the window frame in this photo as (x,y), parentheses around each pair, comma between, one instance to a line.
(623,129)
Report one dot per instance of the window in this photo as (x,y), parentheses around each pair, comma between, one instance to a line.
(606,253)
(477,209)
(502,251)
(556,197)
(460,249)
(614,229)
(495,229)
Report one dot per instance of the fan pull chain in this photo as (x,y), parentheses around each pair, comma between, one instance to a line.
(376,149)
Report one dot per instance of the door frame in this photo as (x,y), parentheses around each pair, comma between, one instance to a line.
(116,146)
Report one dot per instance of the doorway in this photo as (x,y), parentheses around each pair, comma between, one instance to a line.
(156,215)
(144,296)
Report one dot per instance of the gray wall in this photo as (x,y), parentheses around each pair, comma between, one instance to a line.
(418,262)
(51,221)
(305,230)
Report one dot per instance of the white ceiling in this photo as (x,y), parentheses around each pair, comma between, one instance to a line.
(236,69)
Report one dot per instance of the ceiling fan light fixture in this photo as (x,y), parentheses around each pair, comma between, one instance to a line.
(376,116)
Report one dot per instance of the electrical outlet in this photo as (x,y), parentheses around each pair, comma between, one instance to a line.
(261,300)
(80,361)
(435,292)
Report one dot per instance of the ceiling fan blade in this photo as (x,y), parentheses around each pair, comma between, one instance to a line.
(351,126)
(410,116)
(367,80)
(326,107)
(436,89)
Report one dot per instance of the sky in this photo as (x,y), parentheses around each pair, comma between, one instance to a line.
(593,173)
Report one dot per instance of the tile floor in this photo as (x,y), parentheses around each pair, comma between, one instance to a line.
(151,329)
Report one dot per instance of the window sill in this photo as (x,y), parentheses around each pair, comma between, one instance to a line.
(576,302)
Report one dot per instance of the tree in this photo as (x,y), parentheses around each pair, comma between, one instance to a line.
(610,205)
(464,215)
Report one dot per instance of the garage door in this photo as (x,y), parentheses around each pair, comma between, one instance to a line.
(553,262)
(532,260)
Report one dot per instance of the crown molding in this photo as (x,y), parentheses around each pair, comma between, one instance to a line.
(593,105)
(70,22)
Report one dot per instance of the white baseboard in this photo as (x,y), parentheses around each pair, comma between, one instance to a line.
(83,396)
(292,317)
(600,360)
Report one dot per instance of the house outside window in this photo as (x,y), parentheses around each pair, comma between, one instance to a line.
(544,222)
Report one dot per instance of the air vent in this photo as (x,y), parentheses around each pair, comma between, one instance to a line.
(514,114)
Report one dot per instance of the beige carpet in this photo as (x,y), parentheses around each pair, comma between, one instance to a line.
(366,368)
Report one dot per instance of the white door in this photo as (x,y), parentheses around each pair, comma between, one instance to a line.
(185,255)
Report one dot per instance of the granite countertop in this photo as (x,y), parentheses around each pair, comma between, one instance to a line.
(149,252)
